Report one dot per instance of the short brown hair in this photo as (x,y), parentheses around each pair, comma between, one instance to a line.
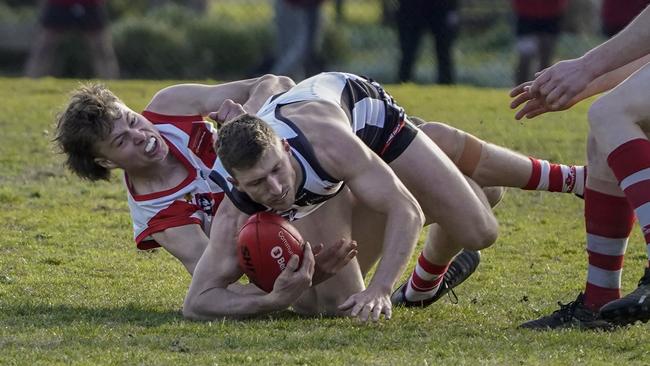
(87,119)
(242,141)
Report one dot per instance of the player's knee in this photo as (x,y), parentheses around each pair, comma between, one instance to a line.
(480,234)
(494,195)
(190,310)
(314,304)
(604,114)
(449,139)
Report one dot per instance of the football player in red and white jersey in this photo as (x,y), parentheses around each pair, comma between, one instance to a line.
(165,152)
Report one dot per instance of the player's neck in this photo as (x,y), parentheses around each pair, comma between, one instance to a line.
(160,176)
(297,168)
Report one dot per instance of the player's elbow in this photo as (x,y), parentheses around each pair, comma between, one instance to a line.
(191,310)
(195,309)
(281,82)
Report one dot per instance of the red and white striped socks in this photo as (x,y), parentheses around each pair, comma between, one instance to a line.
(425,280)
(609,220)
(630,163)
(550,177)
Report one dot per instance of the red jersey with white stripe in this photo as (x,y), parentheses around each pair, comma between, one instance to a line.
(195,199)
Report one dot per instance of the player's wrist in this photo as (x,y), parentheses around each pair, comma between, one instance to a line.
(273,302)
(381,286)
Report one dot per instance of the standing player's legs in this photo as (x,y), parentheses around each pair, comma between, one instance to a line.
(608,222)
(618,121)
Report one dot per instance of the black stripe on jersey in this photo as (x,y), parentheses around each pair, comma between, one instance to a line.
(303,146)
(355,91)
(240,199)
(276,96)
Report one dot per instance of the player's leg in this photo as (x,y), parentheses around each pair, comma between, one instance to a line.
(492,165)
(448,199)
(618,120)
(327,225)
(365,222)
(609,220)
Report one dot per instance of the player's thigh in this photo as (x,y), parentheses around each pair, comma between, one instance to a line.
(633,93)
(330,222)
(441,190)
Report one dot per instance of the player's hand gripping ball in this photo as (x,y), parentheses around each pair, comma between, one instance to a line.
(265,244)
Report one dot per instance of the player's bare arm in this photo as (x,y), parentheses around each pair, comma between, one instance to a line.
(561,82)
(186,243)
(209,297)
(376,186)
(535,105)
(192,99)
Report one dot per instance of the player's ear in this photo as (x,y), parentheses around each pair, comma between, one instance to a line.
(105,163)
(285,145)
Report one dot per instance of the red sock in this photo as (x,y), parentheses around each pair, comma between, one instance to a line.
(609,221)
(630,163)
(556,177)
(425,279)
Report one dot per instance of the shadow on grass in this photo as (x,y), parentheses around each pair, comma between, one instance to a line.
(44,315)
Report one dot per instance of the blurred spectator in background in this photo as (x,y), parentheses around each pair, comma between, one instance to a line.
(299,38)
(199,6)
(440,17)
(60,16)
(616,14)
(538,24)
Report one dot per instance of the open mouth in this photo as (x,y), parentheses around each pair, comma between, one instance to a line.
(151,145)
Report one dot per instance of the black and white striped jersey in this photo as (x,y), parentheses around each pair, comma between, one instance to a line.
(374,117)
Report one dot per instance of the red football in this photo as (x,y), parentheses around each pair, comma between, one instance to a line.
(265,244)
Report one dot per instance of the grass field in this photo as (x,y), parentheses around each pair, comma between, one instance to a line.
(73,289)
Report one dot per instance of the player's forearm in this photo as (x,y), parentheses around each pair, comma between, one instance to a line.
(610,79)
(265,87)
(219,303)
(630,44)
(401,235)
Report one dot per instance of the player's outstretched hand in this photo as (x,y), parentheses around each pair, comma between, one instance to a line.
(369,304)
(228,111)
(330,259)
(533,105)
(560,83)
(294,280)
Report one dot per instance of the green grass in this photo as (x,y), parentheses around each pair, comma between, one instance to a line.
(73,289)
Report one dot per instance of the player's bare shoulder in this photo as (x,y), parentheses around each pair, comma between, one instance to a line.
(327,127)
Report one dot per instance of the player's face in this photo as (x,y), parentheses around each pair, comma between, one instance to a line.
(272,180)
(134,143)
